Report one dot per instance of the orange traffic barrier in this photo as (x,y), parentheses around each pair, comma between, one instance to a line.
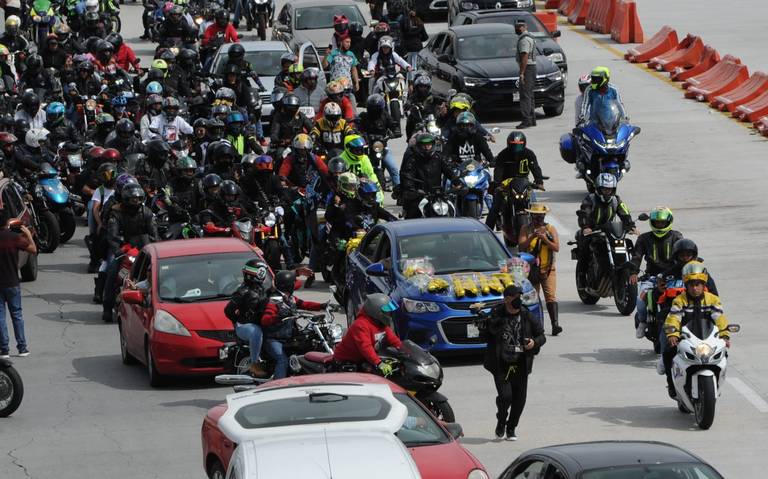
(549,19)
(664,41)
(564,6)
(749,90)
(709,58)
(734,75)
(553,4)
(711,74)
(600,16)
(570,7)
(754,109)
(686,55)
(579,13)
(592,14)
(762,125)
(626,26)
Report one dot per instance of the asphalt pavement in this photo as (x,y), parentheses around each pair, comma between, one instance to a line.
(86,415)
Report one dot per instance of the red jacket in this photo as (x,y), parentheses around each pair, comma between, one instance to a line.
(347,110)
(286,167)
(271,314)
(359,344)
(126,58)
(230,34)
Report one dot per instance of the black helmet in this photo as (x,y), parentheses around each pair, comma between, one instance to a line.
(107,173)
(285,281)
(375,103)
(132,196)
(337,166)
(278,94)
(34,62)
(211,180)
(516,141)
(30,102)
(236,52)
(115,39)
(256,273)
(425,144)
(125,128)
(222,17)
(291,101)
(103,46)
(685,244)
(85,67)
(380,307)
(168,56)
(229,190)
(223,150)
(20,127)
(158,151)
(355,29)
(91,17)
(187,56)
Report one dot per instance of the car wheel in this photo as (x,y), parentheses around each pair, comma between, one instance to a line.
(155,378)
(126,357)
(216,471)
(554,110)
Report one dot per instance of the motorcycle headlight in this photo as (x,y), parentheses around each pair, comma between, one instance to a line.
(270,220)
(530,298)
(474,81)
(198,20)
(413,306)
(556,57)
(477,474)
(166,323)
(429,370)
(75,161)
(378,146)
(440,208)
(471,180)
(337,332)
(703,351)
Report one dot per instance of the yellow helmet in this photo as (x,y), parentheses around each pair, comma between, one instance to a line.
(4,50)
(600,77)
(12,21)
(460,103)
(695,271)
(159,64)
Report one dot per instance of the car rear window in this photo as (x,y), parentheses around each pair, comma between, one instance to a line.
(533,26)
(654,471)
(486,47)
(313,18)
(314,408)
(264,62)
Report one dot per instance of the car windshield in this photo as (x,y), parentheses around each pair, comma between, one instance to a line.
(419,428)
(606,114)
(187,279)
(535,28)
(454,252)
(264,62)
(485,47)
(313,408)
(313,18)
(654,471)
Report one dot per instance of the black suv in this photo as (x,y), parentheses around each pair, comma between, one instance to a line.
(457,6)
(544,38)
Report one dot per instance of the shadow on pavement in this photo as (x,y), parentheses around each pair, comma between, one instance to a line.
(657,417)
(198,403)
(476,441)
(573,197)
(639,358)
(77,317)
(465,359)
(577,307)
(111,372)
(72,268)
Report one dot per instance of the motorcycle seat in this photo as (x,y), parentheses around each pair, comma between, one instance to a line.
(318,357)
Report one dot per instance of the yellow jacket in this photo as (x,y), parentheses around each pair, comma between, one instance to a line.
(682,311)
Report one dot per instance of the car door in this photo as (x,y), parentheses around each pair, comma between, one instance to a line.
(132,322)
(427,58)
(358,261)
(526,469)
(446,70)
(381,284)
(309,57)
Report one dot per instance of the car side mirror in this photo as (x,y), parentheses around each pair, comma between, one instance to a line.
(557,34)
(283,28)
(643,217)
(132,296)
(377,270)
(454,429)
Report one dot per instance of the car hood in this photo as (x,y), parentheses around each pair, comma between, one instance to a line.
(321,37)
(443,460)
(199,316)
(472,284)
(548,45)
(502,68)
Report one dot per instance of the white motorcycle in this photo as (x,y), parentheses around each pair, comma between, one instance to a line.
(698,372)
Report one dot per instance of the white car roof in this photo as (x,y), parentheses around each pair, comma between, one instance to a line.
(325,454)
(235,431)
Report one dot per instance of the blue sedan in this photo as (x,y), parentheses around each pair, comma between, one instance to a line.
(434,269)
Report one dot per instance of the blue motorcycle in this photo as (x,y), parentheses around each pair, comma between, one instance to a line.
(475,180)
(602,145)
(58,200)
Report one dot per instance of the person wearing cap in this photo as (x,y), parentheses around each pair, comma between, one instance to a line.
(513,336)
(542,241)
(526,60)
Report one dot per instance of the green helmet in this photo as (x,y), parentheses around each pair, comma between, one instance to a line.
(466,118)
(348,183)
(661,221)
(600,77)
(186,163)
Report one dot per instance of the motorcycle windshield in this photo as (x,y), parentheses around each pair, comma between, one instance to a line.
(48,171)
(615,228)
(701,327)
(606,114)
(470,167)
(41,6)
(411,352)
(519,185)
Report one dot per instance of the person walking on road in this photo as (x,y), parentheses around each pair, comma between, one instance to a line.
(526,59)
(12,239)
(514,336)
(542,241)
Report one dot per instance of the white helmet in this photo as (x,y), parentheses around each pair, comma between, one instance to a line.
(606,180)
(36,136)
(91,5)
(584,82)
(386,41)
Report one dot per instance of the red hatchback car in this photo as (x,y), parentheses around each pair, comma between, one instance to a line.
(171,312)
(433,444)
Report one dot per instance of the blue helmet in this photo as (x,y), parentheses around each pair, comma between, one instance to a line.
(235,117)
(154,88)
(55,111)
(119,100)
(367,192)
(567,148)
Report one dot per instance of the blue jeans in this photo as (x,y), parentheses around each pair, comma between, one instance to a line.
(389,164)
(238,11)
(642,304)
(275,350)
(252,333)
(12,297)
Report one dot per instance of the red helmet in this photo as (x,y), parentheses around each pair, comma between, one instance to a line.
(94,153)
(339,19)
(111,155)
(7,138)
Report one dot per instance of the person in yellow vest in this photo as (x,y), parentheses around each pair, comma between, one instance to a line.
(540,239)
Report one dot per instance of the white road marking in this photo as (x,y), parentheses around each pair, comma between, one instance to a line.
(749,394)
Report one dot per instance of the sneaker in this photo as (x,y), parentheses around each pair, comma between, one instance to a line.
(640,332)
(672,392)
(660,367)
(499,430)
(23,353)
(4,354)
(511,436)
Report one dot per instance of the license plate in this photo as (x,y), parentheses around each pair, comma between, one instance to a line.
(516,96)
(472,331)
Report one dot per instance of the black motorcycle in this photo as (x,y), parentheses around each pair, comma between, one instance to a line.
(437,203)
(11,388)
(377,151)
(605,269)
(516,197)
(44,220)
(258,14)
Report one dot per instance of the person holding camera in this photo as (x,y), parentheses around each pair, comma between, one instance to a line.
(13,238)
(513,337)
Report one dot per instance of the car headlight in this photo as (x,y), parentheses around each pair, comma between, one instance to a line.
(471,180)
(703,351)
(474,81)
(524,3)
(477,474)
(530,298)
(468,6)
(166,323)
(555,76)
(336,332)
(429,370)
(413,306)
(556,57)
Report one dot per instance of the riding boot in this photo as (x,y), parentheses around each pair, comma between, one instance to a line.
(98,287)
(553,318)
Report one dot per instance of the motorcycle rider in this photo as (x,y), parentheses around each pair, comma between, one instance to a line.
(345,218)
(334,92)
(584,82)
(12,38)
(308,92)
(694,308)
(30,110)
(211,186)
(601,90)
(105,124)
(92,27)
(225,209)
(154,108)
(169,126)
(124,55)
(220,156)
(107,176)
(423,170)
(288,123)
(656,247)
(36,78)
(330,130)
(358,162)
(377,123)
(301,167)
(685,251)
(219,32)
(259,182)
(286,60)
(276,323)
(53,55)
(421,103)
(466,142)
(371,330)
(175,26)
(242,140)
(129,222)
(185,192)
(61,129)
(386,56)
(155,166)
(34,151)
(342,64)
(236,56)
(125,139)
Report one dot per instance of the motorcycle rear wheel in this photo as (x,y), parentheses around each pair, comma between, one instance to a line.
(470,208)
(29,270)
(49,234)
(272,254)
(704,407)
(11,391)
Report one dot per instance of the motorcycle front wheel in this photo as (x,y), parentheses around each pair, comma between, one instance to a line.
(581,284)
(470,208)
(704,407)
(48,233)
(441,410)
(261,28)
(272,254)
(11,391)
(624,293)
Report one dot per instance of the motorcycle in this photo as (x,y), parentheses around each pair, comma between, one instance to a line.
(69,160)
(258,14)
(58,200)
(475,181)
(658,301)
(413,368)
(698,370)
(43,19)
(11,388)
(437,203)
(377,151)
(182,228)
(393,87)
(601,146)
(268,234)
(606,268)
(516,197)
(311,332)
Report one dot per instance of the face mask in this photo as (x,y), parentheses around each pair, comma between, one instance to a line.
(515,303)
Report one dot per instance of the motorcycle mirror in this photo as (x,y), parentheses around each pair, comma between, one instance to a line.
(557,34)
(643,217)
(376,269)
(454,429)
(495,130)
(234,379)
(734,328)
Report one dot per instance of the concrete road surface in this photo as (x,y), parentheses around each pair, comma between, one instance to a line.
(86,415)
